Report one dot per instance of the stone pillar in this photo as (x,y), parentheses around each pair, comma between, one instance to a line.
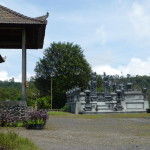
(23,64)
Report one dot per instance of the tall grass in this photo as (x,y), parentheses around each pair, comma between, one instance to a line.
(12,141)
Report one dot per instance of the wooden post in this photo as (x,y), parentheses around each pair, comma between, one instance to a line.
(51,92)
(23,64)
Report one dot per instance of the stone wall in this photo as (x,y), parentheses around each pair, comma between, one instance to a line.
(14,108)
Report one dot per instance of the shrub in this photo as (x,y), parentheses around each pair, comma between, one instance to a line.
(43,102)
(66,108)
(31,102)
(6,120)
(39,117)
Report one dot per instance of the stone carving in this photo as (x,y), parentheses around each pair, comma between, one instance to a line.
(93,84)
(88,106)
(87,96)
(144,90)
(117,96)
(129,86)
(106,84)
(73,94)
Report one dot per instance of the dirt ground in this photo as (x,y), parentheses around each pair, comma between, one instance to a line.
(67,133)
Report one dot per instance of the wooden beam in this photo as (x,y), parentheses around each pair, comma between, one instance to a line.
(10,43)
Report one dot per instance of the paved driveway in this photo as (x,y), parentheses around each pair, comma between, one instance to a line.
(67,133)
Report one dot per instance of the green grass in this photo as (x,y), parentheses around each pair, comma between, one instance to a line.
(65,114)
(11,141)
(59,113)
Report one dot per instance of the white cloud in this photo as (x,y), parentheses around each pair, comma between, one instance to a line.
(107,69)
(140,20)
(106,56)
(136,66)
(101,34)
(4,76)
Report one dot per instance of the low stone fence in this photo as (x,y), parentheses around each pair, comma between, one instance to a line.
(14,108)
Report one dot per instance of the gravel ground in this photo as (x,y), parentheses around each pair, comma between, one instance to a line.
(66,133)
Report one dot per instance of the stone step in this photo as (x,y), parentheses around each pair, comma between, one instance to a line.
(102,107)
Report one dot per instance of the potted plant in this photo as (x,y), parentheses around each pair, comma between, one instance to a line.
(39,124)
(36,120)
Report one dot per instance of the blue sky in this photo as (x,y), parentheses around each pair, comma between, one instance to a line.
(114,34)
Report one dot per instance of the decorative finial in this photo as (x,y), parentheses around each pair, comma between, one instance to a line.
(47,14)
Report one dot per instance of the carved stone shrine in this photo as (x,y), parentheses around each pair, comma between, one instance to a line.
(121,99)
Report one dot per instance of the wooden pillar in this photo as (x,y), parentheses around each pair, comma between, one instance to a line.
(23,64)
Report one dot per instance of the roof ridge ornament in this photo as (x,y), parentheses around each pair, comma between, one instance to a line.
(2,59)
(43,17)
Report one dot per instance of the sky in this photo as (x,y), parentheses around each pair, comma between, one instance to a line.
(114,34)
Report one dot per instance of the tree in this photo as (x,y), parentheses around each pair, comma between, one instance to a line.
(67,66)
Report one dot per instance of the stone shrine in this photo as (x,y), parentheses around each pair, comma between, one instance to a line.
(122,99)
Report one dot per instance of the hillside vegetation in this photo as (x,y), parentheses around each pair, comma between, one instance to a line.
(12,90)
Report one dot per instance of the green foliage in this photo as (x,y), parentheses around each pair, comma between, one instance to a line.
(32,91)
(12,141)
(67,66)
(9,93)
(43,102)
(31,122)
(59,113)
(6,120)
(34,122)
(66,108)
(16,85)
(10,90)
(40,121)
(19,124)
(31,102)
(37,118)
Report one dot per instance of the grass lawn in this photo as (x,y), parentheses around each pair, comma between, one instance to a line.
(82,116)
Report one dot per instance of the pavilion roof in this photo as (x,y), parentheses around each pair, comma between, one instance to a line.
(1,59)
(9,16)
(11,25)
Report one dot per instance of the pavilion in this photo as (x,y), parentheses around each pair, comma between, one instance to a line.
(1,59)
(21,32)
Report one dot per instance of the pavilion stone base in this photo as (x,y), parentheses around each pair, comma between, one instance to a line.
(14,108)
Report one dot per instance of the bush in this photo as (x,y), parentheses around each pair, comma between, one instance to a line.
(43,102)
(36,118)
(66,108)
(6,120)
(31,102)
